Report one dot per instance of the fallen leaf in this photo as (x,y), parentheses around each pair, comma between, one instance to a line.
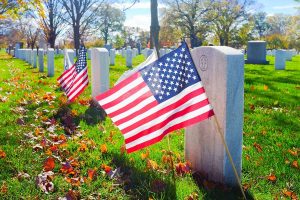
(44,181)
(73,181)
(252,107)
(66,168)
(151,164)
(193,196)
(182,168)
(252,87)
(295,164)
(257,146)
(49,164)
(73,195)
(106,168)
(145,155)
(20,121)
(4,188)
(92,173)
(272,178)
(246,186)
(266,87)
(2,154)
(294,153)
(158,186)
(103,148)
(83,147)
(290,194)
(22,175)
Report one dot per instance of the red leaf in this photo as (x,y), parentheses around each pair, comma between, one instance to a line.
(2,154)
(257,146)
(49,164)
(92,173)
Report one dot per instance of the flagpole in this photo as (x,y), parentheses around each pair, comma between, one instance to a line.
(229,156)
(171,158)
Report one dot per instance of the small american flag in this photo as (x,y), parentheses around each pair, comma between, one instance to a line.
(164,96)
(74,80)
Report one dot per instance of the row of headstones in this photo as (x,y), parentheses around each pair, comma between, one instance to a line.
(112,56)
(147,52)
(292,52)
(281,56)
(201,149)
(36,58)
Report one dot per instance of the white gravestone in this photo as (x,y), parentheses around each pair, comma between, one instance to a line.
(89,54)
(134,52)
(34,58)
(149,52)
(280,56)
(123,52)
(162,52)
(128,58)
(68,58)
(112,56)
(41,60)
(100,71)
(222,74)
(50,62)
(31,57)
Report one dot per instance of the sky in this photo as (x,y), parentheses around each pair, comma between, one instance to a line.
(139,14)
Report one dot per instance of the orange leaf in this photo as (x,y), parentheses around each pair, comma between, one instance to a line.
(49,164)
(257,146)
(290,194)
(266,87)
(83,147)
(295,164)
(151,164)
(103,148)
(294,153)
(272,178)
(66,168)
(123,149)
(2,154)
(251,106)
(73,181)
(106,168)
(92,174)
(145,155)
(252,87)
(182,168)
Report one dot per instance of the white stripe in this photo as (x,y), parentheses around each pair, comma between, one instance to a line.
(77,81)
(65,81)
(128,100)
(161,105)
(161,118)
(134,109)
(71,70)
(178,120)
(78,90)
(121,91)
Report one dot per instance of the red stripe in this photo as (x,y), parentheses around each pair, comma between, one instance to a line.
(67,84)
(173,128)
(131,105)
(164,110)
(81,82)
(75,79)
(125,96)
(118,87)
(78,93)
(131,116)
(169,119)
(65,72)
(66,76)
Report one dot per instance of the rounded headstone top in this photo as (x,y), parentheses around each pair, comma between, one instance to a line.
(101,49)
(256,41)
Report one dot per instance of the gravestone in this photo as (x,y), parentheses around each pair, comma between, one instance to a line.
(123,52)
(128,58)
(280,57)
(17,47)
(100,71)
(41,60)
(89,54)
(69,54)
(108,47)
(289,55)
(256,52)
(34,58)
(168,50)
(112,56)
(149,52)
(162,52)
(139,47)
(50,62)
(134,52)
(31,57)
(222,74)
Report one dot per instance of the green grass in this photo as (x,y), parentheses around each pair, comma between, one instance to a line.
(271,122)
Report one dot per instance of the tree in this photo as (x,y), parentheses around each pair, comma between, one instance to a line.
(119,42)
(261,25)
(29,30)
(154,28)
(80,14)
(51,23)
(110,19)
(191,17)
(278,24)
(227,17)
(13,8)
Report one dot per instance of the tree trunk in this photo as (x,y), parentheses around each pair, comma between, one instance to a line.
(76,37)
(154,28)
(51,39)
(221,40)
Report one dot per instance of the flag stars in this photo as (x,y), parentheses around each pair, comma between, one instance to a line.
(160,64)
(183,49)
(181,55)
(168,59)
(166,64)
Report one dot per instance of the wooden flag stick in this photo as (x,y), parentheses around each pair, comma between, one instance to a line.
(229,156)
(171,158)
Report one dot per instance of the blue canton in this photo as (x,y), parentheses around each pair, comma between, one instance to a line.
(171,74)
(81,62)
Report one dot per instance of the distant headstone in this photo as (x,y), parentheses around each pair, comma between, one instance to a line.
(128,58)
(139,47)
(289,55)
(100,71)
(89,54)
(123,52)
(112,56)
(256,52)
(31,57)
(41,60)
(149,52)
(203,144)
(34,58)
(280,57)
(168,50)
(128,47)
(17,47)
(50,62)
(108,47)
(162,52)
(68,58)
(134,52)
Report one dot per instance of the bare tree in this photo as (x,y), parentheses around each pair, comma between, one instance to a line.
(28,29)
(79,15)
(51,22)
(154,28)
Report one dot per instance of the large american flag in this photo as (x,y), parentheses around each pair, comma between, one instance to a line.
(75,79)
(164,96)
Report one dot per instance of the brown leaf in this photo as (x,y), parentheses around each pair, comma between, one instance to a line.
(252,107)
(151,164)
(193,196)
(257,146)
(295,164)
(252,87)
(4,188)
(103,148)
(73,181)
(49,164)
(73,195)
(272,178)
(290,194)
(66,168)
(20,121)
(92,173)
(145,155)
(2,154)
(83,147)
(294,153)
(182,168)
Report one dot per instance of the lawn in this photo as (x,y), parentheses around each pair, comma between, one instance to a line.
(50,149)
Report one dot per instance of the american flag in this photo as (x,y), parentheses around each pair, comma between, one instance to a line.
(164,96)
(74,80)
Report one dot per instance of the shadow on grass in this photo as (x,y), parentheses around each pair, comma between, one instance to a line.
(144,184)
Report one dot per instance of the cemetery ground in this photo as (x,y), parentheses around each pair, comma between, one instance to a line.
(51,149)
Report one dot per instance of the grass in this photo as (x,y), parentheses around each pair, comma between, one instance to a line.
(34,110)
